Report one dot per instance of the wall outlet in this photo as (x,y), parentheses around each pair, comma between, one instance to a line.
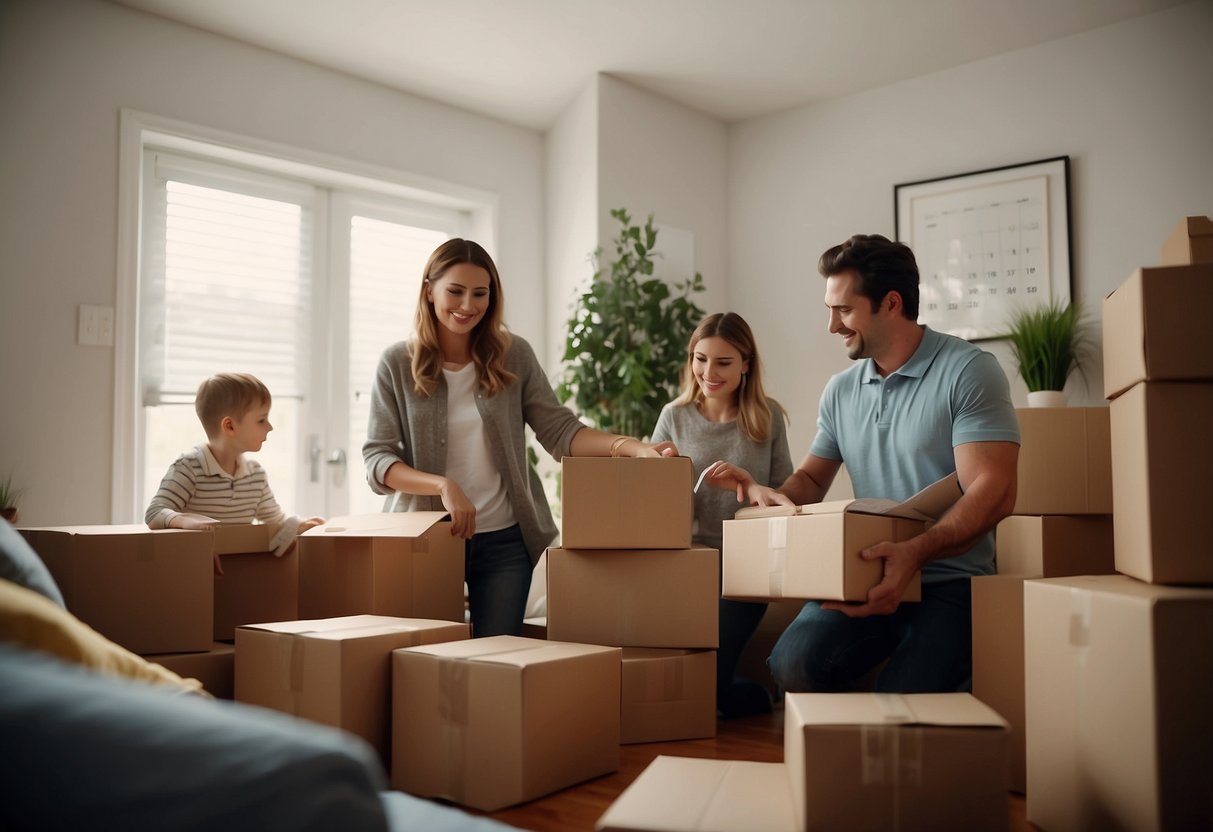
(95,326)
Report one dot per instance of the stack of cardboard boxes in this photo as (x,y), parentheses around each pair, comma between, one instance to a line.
(1119,668)
(626,575)
(1061,525)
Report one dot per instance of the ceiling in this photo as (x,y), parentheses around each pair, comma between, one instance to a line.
(523,61)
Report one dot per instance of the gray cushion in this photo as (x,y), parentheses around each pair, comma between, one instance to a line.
(21,565)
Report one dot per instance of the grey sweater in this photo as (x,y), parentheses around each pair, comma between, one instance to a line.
(705,442)
(411,428)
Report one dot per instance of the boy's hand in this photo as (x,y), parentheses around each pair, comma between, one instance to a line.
(194,522)
(310,523)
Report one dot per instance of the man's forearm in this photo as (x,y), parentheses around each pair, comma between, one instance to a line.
(987,501)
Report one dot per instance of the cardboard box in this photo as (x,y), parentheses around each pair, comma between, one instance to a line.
(625,503)
(998,661)
(634,597)
(667,695)
(1163,470)
(1052,546)
(1065,461)
(868,761)
(812,552)
(1190,242)
(335,671)
(215,669)
(403,564)
(1154,328)
(536,627)
(255,587)
(1119,678)
(496,721)
(149,591)
(686,794)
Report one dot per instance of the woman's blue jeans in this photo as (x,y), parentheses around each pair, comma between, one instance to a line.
(928,645)
(497,569)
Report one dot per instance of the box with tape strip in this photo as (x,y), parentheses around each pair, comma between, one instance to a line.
(1119,682)
(495,721)
(667,695)
(812,551)
(625,503)
(403,564)
(1065,461)
(871,761)
(334,671)
(150,591)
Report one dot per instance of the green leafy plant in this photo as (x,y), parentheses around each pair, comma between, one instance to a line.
(626,340)
(9,497)
(1048,343)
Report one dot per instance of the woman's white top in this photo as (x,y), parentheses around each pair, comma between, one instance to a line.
(468,462)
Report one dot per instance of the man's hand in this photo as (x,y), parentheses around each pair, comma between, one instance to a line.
(901,561)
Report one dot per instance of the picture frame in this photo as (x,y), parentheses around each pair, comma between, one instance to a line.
(988,243)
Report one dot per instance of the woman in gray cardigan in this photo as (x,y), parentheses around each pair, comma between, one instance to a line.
(448,413)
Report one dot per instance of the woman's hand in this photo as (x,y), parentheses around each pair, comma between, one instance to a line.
(730,477)
(643,449)
(463,513)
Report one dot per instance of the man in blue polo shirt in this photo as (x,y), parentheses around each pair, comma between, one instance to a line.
(916,406)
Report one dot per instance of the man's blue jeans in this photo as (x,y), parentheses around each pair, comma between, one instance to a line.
(497,569)
(928,645)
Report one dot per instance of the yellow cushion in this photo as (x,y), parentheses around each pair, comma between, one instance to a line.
(34,622)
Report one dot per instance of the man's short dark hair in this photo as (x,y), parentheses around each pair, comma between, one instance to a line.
(881,265)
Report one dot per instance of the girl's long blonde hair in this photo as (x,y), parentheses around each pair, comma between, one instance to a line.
(753,409)
(489,340)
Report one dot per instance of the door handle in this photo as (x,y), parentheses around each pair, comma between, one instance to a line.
(337,457)
(313,458)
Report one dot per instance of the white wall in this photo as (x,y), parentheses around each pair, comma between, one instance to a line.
(66,68)
(659,157)
(571,186)
(1131,104)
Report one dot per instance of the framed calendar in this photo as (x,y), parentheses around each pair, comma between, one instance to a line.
(987,244)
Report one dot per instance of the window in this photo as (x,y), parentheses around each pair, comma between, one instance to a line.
(302,280)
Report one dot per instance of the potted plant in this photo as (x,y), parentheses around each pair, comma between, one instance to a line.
(626,340)
(1048,343)
(9,496)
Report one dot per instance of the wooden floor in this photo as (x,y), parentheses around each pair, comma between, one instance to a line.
(758,738)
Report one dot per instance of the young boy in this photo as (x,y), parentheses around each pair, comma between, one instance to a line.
(214,484)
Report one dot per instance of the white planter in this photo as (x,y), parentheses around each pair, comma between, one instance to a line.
(1047,398)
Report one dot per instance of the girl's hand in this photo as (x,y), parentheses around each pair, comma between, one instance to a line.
(463,513)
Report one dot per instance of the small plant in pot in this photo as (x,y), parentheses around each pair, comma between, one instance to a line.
(1048,343)
(9,496)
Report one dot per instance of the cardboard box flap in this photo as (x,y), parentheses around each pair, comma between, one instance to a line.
(958,710)
(928,504)
(344,624)
(512,650)
(1123,585)
(243,538)
(386,524)
(123,529)
(686,793)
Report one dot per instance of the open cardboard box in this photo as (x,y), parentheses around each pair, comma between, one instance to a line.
(812,551)
(403,564)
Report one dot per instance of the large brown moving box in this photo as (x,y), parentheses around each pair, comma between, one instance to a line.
(150,591)
(403,564)
(335,671)
(255,585)
(998,661)
(868,761)
(685,794)
(501,720)
(634,597)
(215,669)
(1154,328)
(1163,471)
(1065,461)
(1119,678)
(625,503)
(812,551)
